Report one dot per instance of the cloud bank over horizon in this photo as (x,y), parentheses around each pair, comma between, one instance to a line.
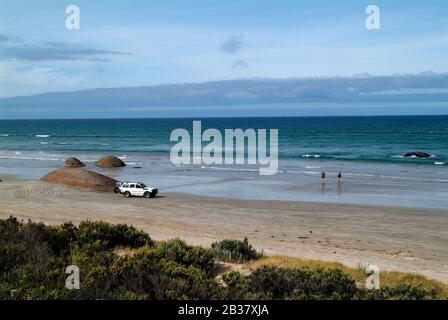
(243,96)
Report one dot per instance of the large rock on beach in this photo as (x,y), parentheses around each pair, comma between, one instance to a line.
(73,163)
(110,162)
(417,155)
(81,178)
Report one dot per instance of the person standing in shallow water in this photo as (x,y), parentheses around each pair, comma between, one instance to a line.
(322,177)
(339,177)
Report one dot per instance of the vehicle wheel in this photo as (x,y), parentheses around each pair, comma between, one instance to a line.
(127,194)
(147,194)
(116,190)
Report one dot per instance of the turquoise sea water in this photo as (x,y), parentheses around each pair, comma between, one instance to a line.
(368,150)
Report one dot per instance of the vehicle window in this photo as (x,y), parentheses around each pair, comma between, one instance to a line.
(143,185)
(126,185)
(132,186)
(138,186)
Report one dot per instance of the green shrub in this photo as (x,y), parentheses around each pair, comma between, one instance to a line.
(153,276)
(399,292)
(9,229)
(235,251)
(240,287)
(285,283)
(178,251)
(111,235)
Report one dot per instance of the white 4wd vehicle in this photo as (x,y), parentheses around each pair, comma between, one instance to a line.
(137,189)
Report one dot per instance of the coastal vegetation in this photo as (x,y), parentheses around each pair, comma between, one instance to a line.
(235,251)
(121,262)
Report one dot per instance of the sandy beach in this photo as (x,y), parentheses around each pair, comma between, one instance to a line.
(393,238)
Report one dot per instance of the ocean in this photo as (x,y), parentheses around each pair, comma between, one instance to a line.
(367,150)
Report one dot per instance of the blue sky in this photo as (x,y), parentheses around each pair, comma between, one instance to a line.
(139,43)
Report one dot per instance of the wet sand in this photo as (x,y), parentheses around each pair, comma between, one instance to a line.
(393,238)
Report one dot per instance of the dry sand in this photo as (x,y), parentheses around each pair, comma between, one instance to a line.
(401,239)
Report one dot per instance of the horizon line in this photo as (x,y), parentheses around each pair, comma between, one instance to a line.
(227,117)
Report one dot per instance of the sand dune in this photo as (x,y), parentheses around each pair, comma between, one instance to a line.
(393,238)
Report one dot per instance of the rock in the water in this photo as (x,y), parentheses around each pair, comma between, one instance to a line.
(110,162)
(81,178)
(417,155)
(73,163)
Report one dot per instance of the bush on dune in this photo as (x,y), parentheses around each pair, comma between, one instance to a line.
(178,251)
(153,276)
(235,251)
(112,235)
(399,292)
(285,283)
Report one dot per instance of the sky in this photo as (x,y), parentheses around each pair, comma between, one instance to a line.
(145,43)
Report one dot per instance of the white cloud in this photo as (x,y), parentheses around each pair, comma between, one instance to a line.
(17,79)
